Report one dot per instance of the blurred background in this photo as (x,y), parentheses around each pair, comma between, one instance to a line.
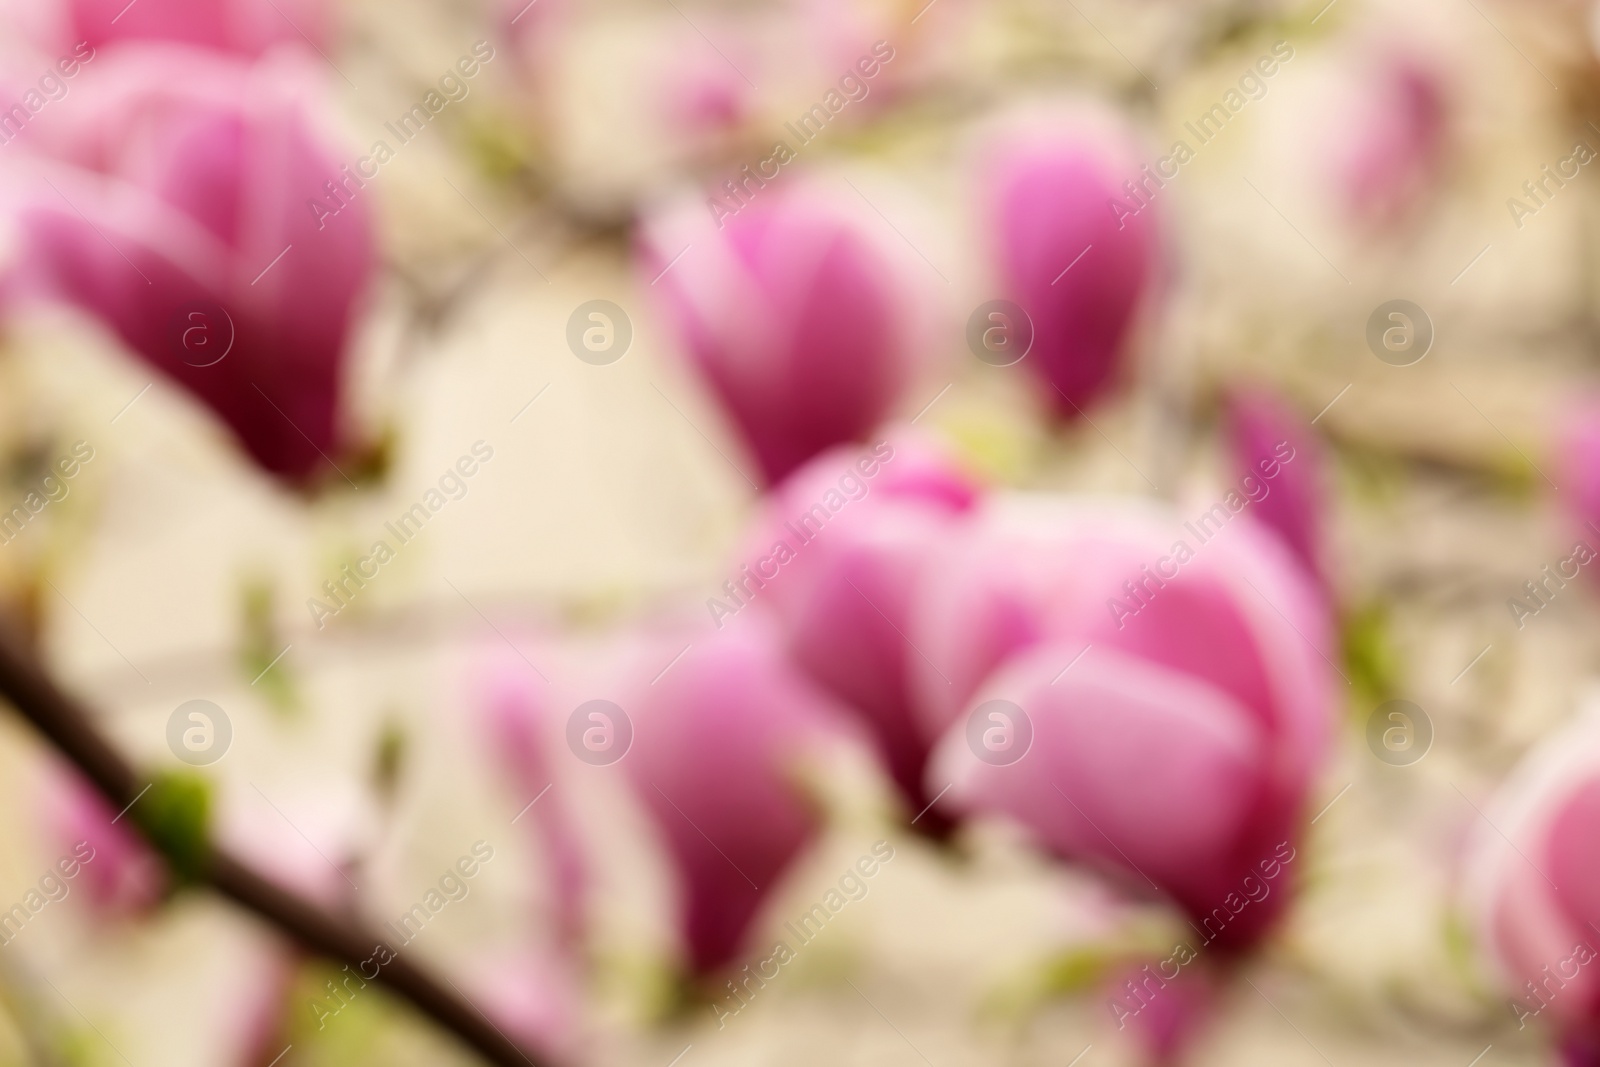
(384,384)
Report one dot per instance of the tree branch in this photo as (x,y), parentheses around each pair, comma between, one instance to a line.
(71,730)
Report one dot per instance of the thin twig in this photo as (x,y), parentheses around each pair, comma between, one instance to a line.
(73,731)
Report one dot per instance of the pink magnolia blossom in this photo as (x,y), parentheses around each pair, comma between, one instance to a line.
(1391,136)
(706,99)
(795,313)
(1074,247)
(248,27)
(176,210)
(116,869)
(122,878)
(844,600)
(1534,883)
(524,731)
(1260,427)
(1164,1011)
(534,998)
(1179,698)
(257,1010)
(307,836)
(700,94)
(521,21)
(534,31)
(718,745)
(531,986)
(906,48)
(1577,452)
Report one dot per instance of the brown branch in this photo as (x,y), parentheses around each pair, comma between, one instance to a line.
(71,730)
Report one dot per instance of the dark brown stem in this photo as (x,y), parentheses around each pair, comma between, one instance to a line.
(71,730)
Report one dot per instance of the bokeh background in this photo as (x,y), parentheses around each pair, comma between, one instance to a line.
(1378,163)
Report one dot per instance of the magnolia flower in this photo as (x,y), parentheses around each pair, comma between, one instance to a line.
(704,94)
(1073,224)
(702,97)
(257,1009)
(1577,451)
(108,860)
(248,27)
(843,583)
(534,31)
(523,731)
(1261,431)
(1391,137)
(178,210)
(1535,887)
(1165,687)
(534,998)
(308,837)
(1163,1003)
(103,856)
(793,311)
(923,43)
(718,740)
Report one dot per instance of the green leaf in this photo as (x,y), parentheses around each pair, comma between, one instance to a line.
(1369,654)
(1075,970)
(175,813)
(1066,973)
(388,760)
(261,645)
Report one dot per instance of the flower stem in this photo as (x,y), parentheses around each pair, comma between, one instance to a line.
(70,728)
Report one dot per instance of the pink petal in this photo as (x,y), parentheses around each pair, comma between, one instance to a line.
(1133,767)
(1049,191)
(1262,429)
(844,601)
(716,740)
(793,314)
